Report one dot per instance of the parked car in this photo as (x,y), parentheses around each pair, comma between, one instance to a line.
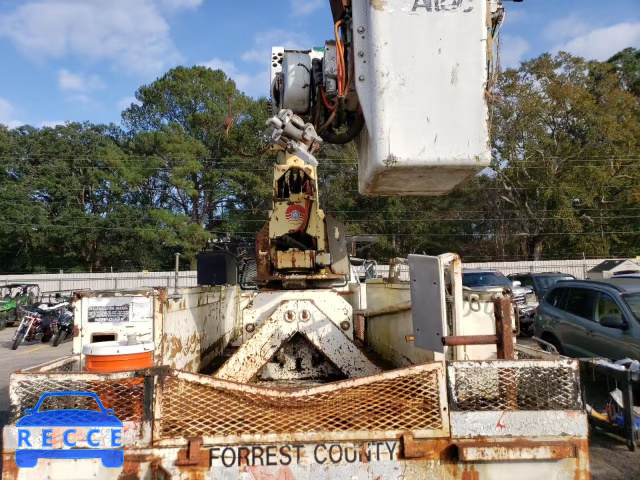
(591,318)
(540,283)
(489,280)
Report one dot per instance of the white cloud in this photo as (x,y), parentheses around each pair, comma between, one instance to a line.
(565,28)
(306,7)
(254,85)
(180,4)
(262,43)
(7,115)
(80,98)
(126,102)
(512,51)
(78,82)
(51,123)
(132,34)
(602,43)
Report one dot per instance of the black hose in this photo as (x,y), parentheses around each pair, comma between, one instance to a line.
(329,136)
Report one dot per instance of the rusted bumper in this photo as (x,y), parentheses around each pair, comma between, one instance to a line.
(487,420)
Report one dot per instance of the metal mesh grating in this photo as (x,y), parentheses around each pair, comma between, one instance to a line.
(514,385)
(124,395)
(247,272)
(410,402)
(65,364)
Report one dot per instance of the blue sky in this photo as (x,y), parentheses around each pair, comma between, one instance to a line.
(75,60)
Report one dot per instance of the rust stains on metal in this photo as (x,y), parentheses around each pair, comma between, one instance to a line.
(158,471)
(456,341)
(379,5)
(193,455)
(9,467)
(470,475)
(176,345)
(439,449)
(294,259)
(263,264)
(402,307)
(503,311)
(583,466)
(519,450)
(131,467)
(364,453)
(162,299)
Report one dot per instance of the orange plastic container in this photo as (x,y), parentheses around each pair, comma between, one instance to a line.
(117,356)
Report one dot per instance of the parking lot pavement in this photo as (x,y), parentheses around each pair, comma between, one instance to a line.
(27,355)
(611,459)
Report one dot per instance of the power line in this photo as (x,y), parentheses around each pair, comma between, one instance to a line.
(167,189)
(128,155)
(252,211)
(399,234)
(242,166)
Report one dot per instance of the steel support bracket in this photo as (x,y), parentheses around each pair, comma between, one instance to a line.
(193,455)
(432,449)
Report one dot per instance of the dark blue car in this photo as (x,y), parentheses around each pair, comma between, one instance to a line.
(110,457)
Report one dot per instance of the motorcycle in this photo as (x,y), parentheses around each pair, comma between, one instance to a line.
(62,327)
(38,325)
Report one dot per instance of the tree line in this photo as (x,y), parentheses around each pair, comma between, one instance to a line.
(188,165)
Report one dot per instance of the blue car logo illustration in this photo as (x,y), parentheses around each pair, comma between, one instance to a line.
(103,433)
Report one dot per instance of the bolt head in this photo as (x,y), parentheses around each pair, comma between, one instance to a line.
(345,325)
(361,78)
(361,54)
(360,29)
(290,316)
(250,327)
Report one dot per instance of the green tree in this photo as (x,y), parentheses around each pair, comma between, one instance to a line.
(205,140)
(627,66)
(566,142)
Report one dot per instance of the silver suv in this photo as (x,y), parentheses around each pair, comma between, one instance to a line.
(592,318)
(492,280)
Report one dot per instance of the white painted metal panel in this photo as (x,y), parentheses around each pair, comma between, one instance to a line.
(198,325)
(297,88)
(139,320)
(421,73)
(530,424)
(188,330)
